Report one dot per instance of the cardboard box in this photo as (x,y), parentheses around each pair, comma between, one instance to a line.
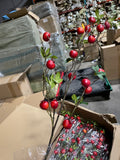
(110,60)
(14,86)
(23,126)
(105,120)
(91,52)
(112,35)
(25,130)
(50,24)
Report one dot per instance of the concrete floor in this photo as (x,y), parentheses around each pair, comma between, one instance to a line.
(108,106)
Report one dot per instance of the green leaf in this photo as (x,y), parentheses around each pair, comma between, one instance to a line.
(68,60)
(101,75)
(42,51)
(53,57)
(52,84)
(74,98)
(101,16)
(95,68)
(85,41)
(77,41)
(47,51)
(97,13)
(57,79)
(84,102)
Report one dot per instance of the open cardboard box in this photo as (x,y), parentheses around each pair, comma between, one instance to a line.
(15,85)
(26,126)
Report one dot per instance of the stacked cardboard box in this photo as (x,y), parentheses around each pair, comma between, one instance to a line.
(110,59)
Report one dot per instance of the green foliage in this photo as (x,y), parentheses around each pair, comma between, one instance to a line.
(46,53)
(78,99)
(75,99)
(101,75)
(98,15)
(54,79)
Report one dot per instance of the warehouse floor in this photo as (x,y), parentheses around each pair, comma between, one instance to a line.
(108,106)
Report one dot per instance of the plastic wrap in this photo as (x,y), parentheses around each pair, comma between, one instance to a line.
(20,46)
(58,49)
(84,141)
(44,9)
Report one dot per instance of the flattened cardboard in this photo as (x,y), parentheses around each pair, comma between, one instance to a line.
(14,86)
(26,126)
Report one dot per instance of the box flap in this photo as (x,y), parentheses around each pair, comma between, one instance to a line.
(115,153)
(23,12)
(26,126)
(8,106)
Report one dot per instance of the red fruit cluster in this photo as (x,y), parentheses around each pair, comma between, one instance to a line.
(46,36)
(107,25)
(87,28)
(88,139)
(80,30)
(101,70)
(73,54)
(67,124)
(50,64)
(70,75)
(92,20)
(91,39)
(44,105)
(100,28)
(86,84)
(54,104)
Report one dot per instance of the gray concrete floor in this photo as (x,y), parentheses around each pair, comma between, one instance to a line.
(108,106)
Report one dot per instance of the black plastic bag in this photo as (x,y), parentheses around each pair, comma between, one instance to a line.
(100,88)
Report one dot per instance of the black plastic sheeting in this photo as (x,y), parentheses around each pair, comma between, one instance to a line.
(100,88)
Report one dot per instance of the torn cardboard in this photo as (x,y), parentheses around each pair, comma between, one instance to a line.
(14,86)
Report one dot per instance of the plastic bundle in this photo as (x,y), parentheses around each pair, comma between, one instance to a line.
(58,49)
(84,141)
(44,9)
(20,47)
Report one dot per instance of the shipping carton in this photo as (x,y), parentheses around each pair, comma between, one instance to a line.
(25,132)
(107,121)
(112,35)
(91,52)
(110,59)
(14,86)
(50,24)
